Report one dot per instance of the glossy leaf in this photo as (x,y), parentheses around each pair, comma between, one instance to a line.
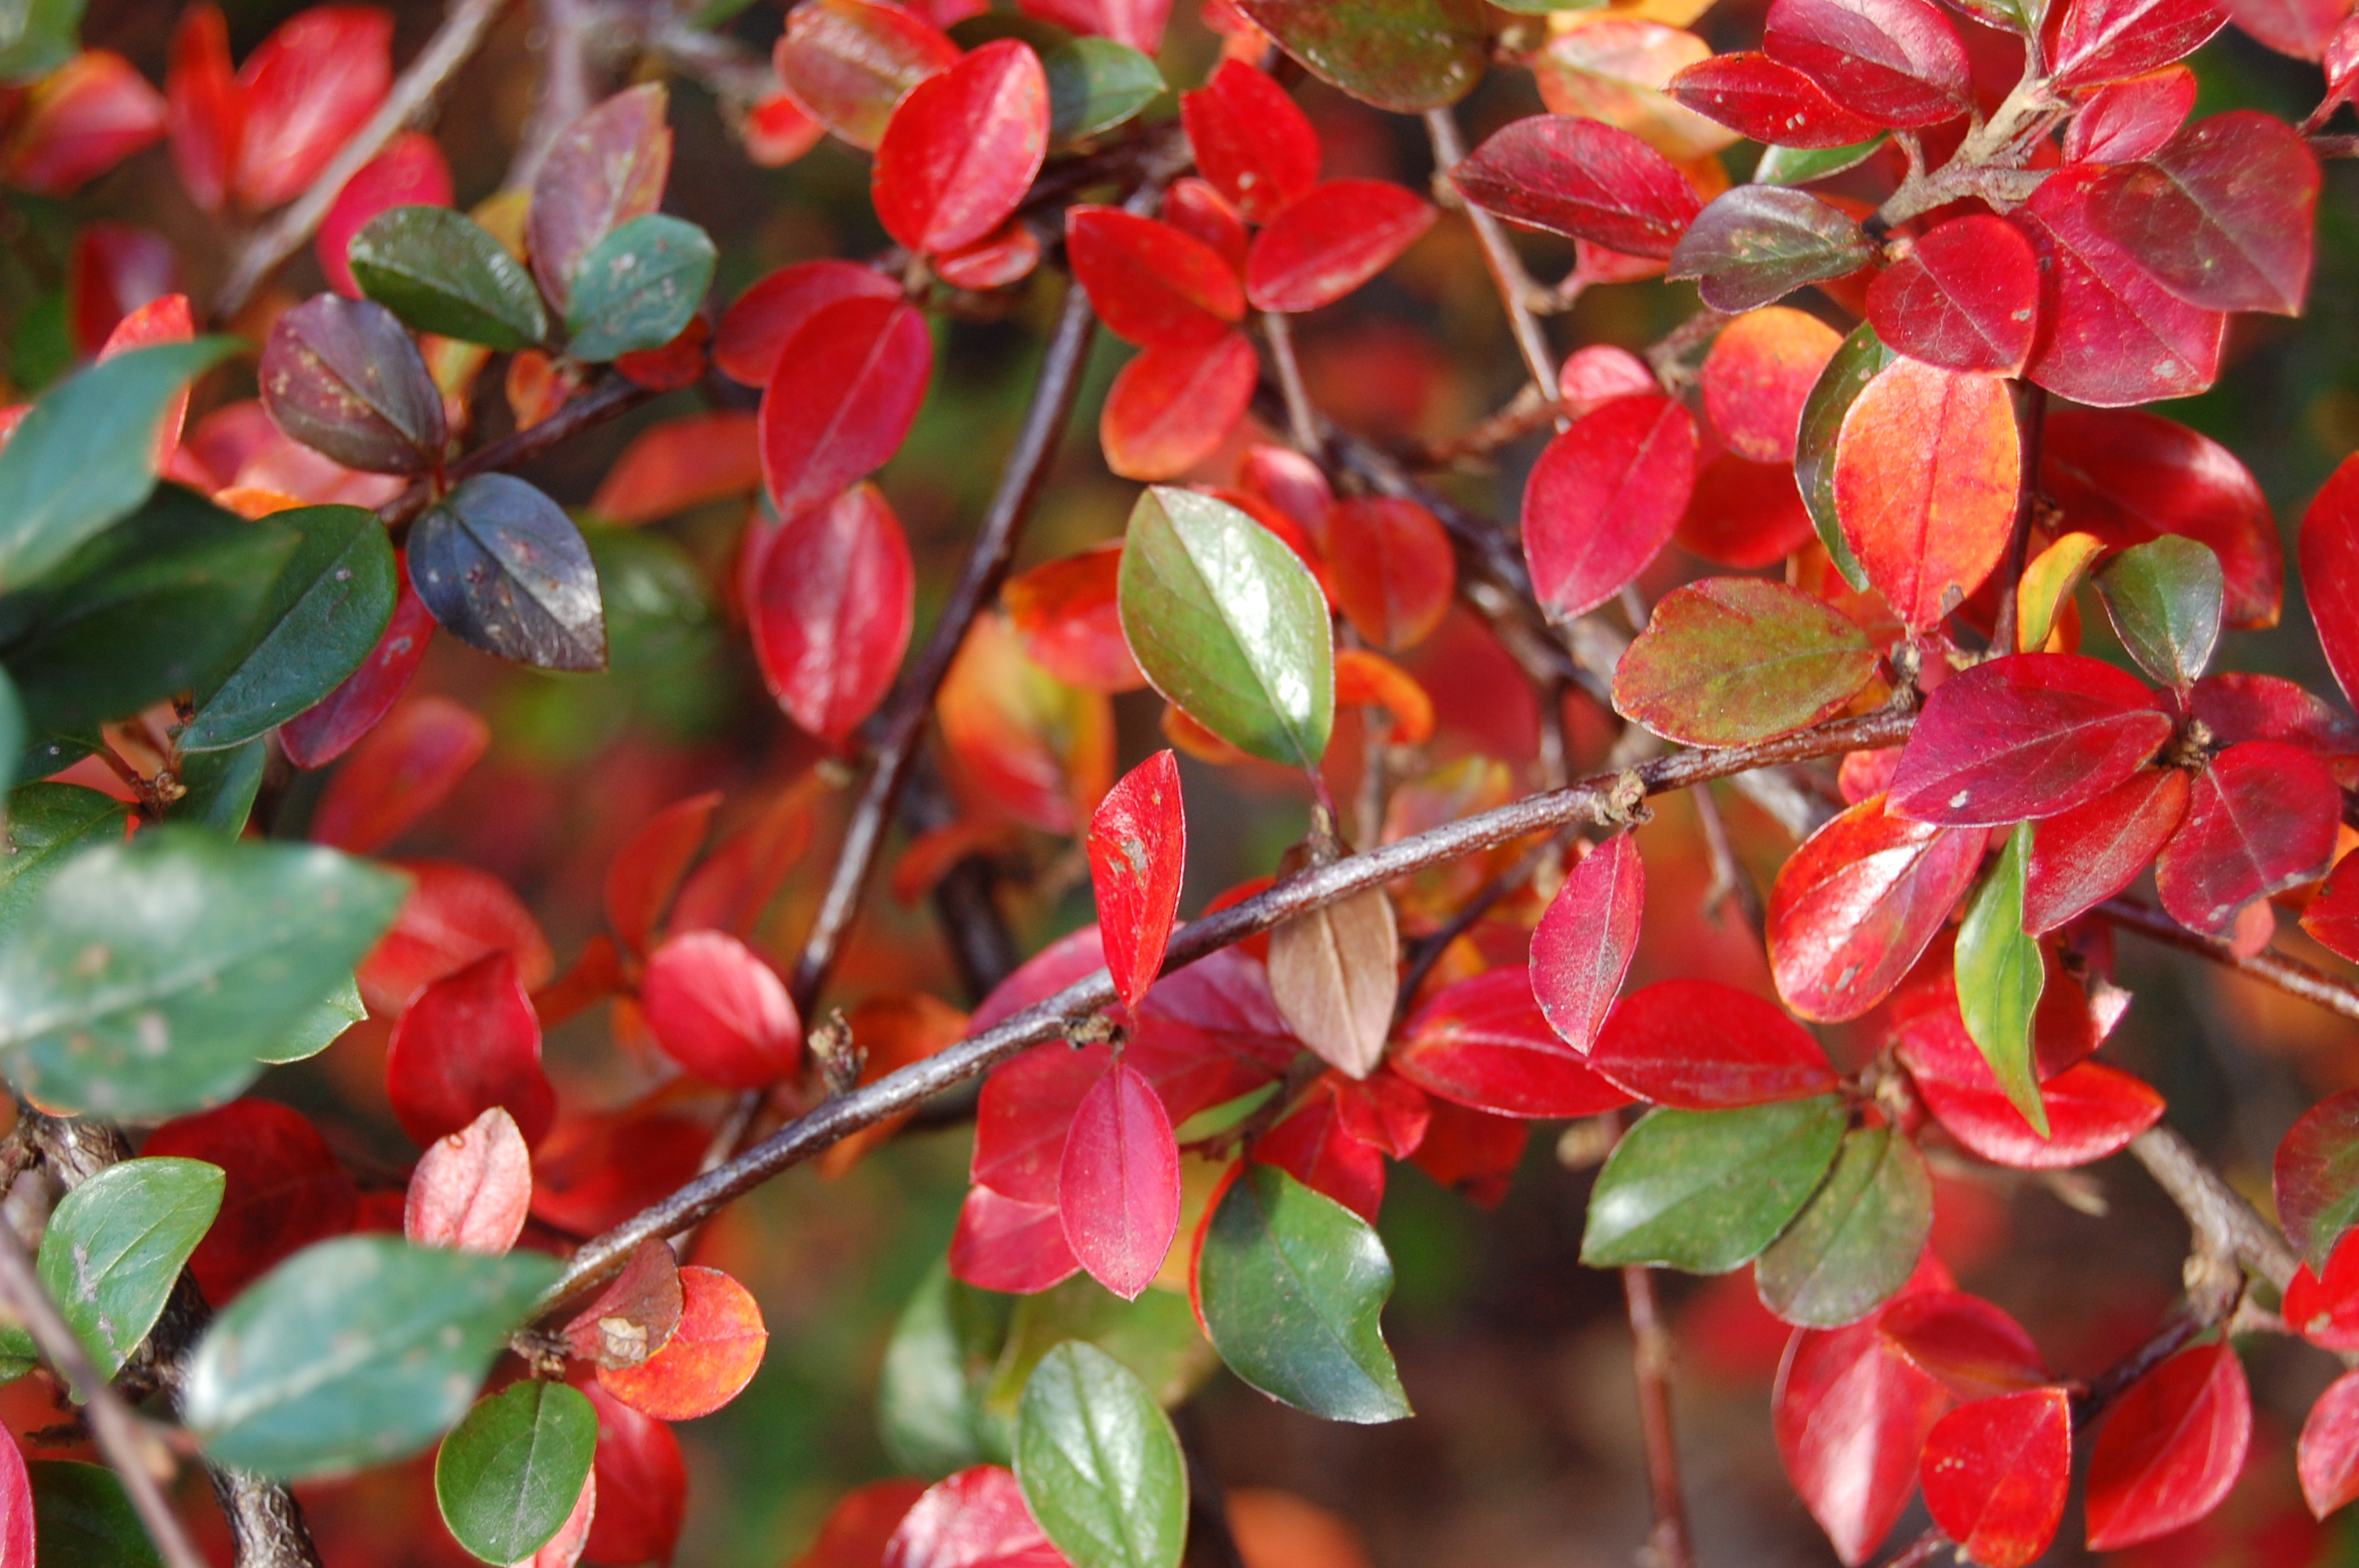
(1852,908)
(503,567)
(2109,335)
(1118,1187)
(1850,1414)
(2170,1448)
(605,169)
(849,62)
(2000,974)
(1926,473)
(332,601)
(2091,1109)
(1485,1041)
(1996,1473)
(1897,62)
(411,172)
(1729,661)
(1769,101)
(1703,1045)
(186,954)
(761,322)
(1171,407)
(1965,296)
(440,271)
(2260,819)
(18,1529)
(1401,55)
(1706,1190)
(83,458)
(832,605)
(2327,1455)
(1149,282)
(1860,359)
(2332,916)
(507,1475)
(468,1042)
(2082,857)
(711,1356)
(2027,735)
(472,1188)
(1330,241)
(845,391)
(1289,1285)
(310,86)
(330,726)
(1227,623)
(1605,499)
(48,825)
(1252,141)
(1137,849)
(2330,571)
(343,377)
(1584,945)
(976,1518)
(2221,215)
(1756,243)
(1583,179)
(1095,84)
(1857,1240)
(2165,598)
(116,1245)
(2130,118)
(2109,41)
(962,149)
(638,287)
(1099,1463)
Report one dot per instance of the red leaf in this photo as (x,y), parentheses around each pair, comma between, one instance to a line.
(1968,1345)
(1138,23)
(2093,1109)
(472,1190)
(733,886)
(605,169)
(2330,571)
(1965,296)
(975,1519)
(1007,255)
(2128,476)
(2312,1175)
(284,1190)
(1597,374)
(596,1170)
(2221,215)
(2305,29)
(2326,1311)
(1210,1032)
(1898,62)
(468,1041)
(1149,282)
(1768,101)
(2109,335)
(400,770)
(1760,373)
(2084,856)
(1194,207)
(1703,1045)
(844,393)
(204,107)
(1066,614)
(1315,1144)
(832,602)
(761,322)
(2240,708)
(1137,848)
(2025,736)
(1851,1414)
(1854,905)
(681,464)
(2260,819)
(713,1354)
(163,320)
(1393,568)
(855,1532)
(1118,1183)
(1025,1107)
(1332,240)
(1252,141)
(453,916)
(1605,499)
(850,62)
(2108,40)
(1744,514)
(962,149)
(1472,1152)
(411,172)
(2332,916)
(330,728)
(310,85)
(2170,1449)
(2328,1457)
(1927,469)
(1485,1043)
(1008,1244)
(638,1313)
(720,1011)
(1385,1110)
(645,871)
(1582,177)
(1171,408)
(15,1509)
(1995,1473)
(1584,942)
(2131,118)
(78,121)
(642,1485)
(113,270)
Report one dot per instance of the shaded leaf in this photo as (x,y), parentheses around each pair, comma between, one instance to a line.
(1095,84)
(2170,1448)
(2220,214)
(82,1517)
(846,389)
(1756,243)
(1334,973)
(114,1248)
(638,287)
(343,377)
(1401,55)
(1897,61)
(2109,335)
(48,825)
(1729,661)
(468,1042)
(283,1189)
(1485,1041)
(1852,908)
(1099,1463)
(711,1356)
(1857,1240)
(2082,857)
(1706,1190)
(2316,1177)
(2330,571)
(1584,179)
(1858,361)
(2260,819)
(443,271)
(2164,598)
(605,169)
(2327,1455)
(501,565)
(507,1475)
(402,770)
(1701,1045)
(2025,735)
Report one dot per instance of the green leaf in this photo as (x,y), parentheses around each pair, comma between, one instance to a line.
(85,457)
(116,1246)
(1731,660)
(2000,977)
(48,825)
(443,271)
(1799,166)
(1854,364)
(221,787)
(1154,1337)
(83,1518)
(14,732)
(1402,55)
(638,287)
(1858,1238)
(1094,84)
(930,1409)
(326,611)
(659,615)
(167,603)
(37,37)
(151,977)
(2164,598)
(1228,622)
(320,1026)
(1707,1190)
(509,1475)
(1099,1463)
(354,1352)
(1291,1283)
(1756,243)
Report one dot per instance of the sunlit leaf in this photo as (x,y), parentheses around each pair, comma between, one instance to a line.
(1858,1238)
(1706,1190)
(1099,1463)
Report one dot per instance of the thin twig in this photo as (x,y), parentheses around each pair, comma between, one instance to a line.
(609,399)
(1730,880)
(2290,975)
(411,98)
(122,1436)
(2226,1227)
(1651,1360)
(1301,419)
(1527,411)
(1593,802)
(562,95)
(2030,423)
(1514,284)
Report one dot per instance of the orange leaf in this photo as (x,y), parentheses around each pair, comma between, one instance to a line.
(1926,470)
(711,1356)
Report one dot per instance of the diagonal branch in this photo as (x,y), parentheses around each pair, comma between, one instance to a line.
(2290,975)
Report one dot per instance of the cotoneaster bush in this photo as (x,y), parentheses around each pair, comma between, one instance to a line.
(1875,531)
